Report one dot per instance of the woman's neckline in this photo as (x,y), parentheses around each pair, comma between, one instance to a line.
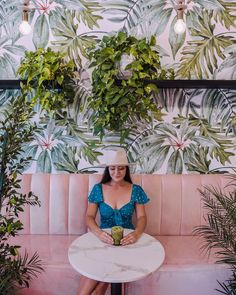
(118,209)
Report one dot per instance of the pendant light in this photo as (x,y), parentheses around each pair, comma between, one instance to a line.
(25,27)
(180,25)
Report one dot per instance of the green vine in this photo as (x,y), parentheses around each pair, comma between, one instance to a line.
(115,103)
(48,78)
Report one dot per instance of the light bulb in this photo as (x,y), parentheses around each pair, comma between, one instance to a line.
(25,28)
(180,26)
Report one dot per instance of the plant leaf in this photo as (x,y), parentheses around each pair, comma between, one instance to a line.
(41,32)
(176,40)
(44,162)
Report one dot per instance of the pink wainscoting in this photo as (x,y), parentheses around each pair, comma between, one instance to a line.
(175,208)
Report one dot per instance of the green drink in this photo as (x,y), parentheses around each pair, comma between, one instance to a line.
(117,234)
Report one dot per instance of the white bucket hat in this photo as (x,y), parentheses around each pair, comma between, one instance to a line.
(116,157)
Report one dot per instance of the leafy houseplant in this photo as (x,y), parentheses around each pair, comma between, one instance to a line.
(16,271)
(113,102)
(48,78)
(220,232)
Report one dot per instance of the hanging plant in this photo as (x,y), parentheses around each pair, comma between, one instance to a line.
(115,103)
(48,78)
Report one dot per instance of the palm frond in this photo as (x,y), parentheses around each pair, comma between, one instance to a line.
(220,230)
(228,287)
(17,271)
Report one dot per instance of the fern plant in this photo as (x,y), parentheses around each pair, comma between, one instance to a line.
(220,232)
(16,270)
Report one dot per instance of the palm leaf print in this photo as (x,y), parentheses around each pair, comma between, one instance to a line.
(9,35)
(89,15)
(157,14)
(41,32)
(210,4)
(200,57)
(225,15)
(219,107)
(64,28)
(229,64)
(126,12)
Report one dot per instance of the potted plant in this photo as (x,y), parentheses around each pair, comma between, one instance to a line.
(220,231)
(48,78)
(16,270)
(115,102)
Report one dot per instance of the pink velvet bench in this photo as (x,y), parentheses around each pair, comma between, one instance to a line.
(174,210)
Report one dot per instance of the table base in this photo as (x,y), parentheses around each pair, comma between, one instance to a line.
(116,288)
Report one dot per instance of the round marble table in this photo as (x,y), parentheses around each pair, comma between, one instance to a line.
(115,264)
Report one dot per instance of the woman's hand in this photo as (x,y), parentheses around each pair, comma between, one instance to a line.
(131,238)
(105,237)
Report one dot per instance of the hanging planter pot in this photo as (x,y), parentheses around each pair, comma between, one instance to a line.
(125,60)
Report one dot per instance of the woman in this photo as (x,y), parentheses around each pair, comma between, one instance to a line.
(116,198)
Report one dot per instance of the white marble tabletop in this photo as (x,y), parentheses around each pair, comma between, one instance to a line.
(115,264)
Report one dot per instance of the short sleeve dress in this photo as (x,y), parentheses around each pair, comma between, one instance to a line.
(123,216)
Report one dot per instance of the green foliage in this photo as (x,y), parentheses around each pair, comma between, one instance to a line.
(48,78)
(220,231)
(116,102)
(15,131)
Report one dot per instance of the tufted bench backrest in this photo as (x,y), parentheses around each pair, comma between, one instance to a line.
(175,206)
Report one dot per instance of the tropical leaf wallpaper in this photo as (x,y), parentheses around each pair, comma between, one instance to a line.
(194,130)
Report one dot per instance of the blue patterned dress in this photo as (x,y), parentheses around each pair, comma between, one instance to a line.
(123,216)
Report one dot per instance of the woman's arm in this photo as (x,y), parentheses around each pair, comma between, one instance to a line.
(140,227)
(92,225)
(141,219)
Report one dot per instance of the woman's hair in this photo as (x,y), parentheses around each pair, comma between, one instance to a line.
(107,177)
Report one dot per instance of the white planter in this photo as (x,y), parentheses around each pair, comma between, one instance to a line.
(125,60)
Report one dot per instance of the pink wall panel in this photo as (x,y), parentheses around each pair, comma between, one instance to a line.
(171,214)
(152,186)
(226,183)
(191,204)
(58,205)
(137,179)
(208,180)
(93,179)
(39,216)
(78,195)
(25,189)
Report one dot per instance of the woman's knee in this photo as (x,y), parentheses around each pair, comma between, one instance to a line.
(100,289)
(86,286)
